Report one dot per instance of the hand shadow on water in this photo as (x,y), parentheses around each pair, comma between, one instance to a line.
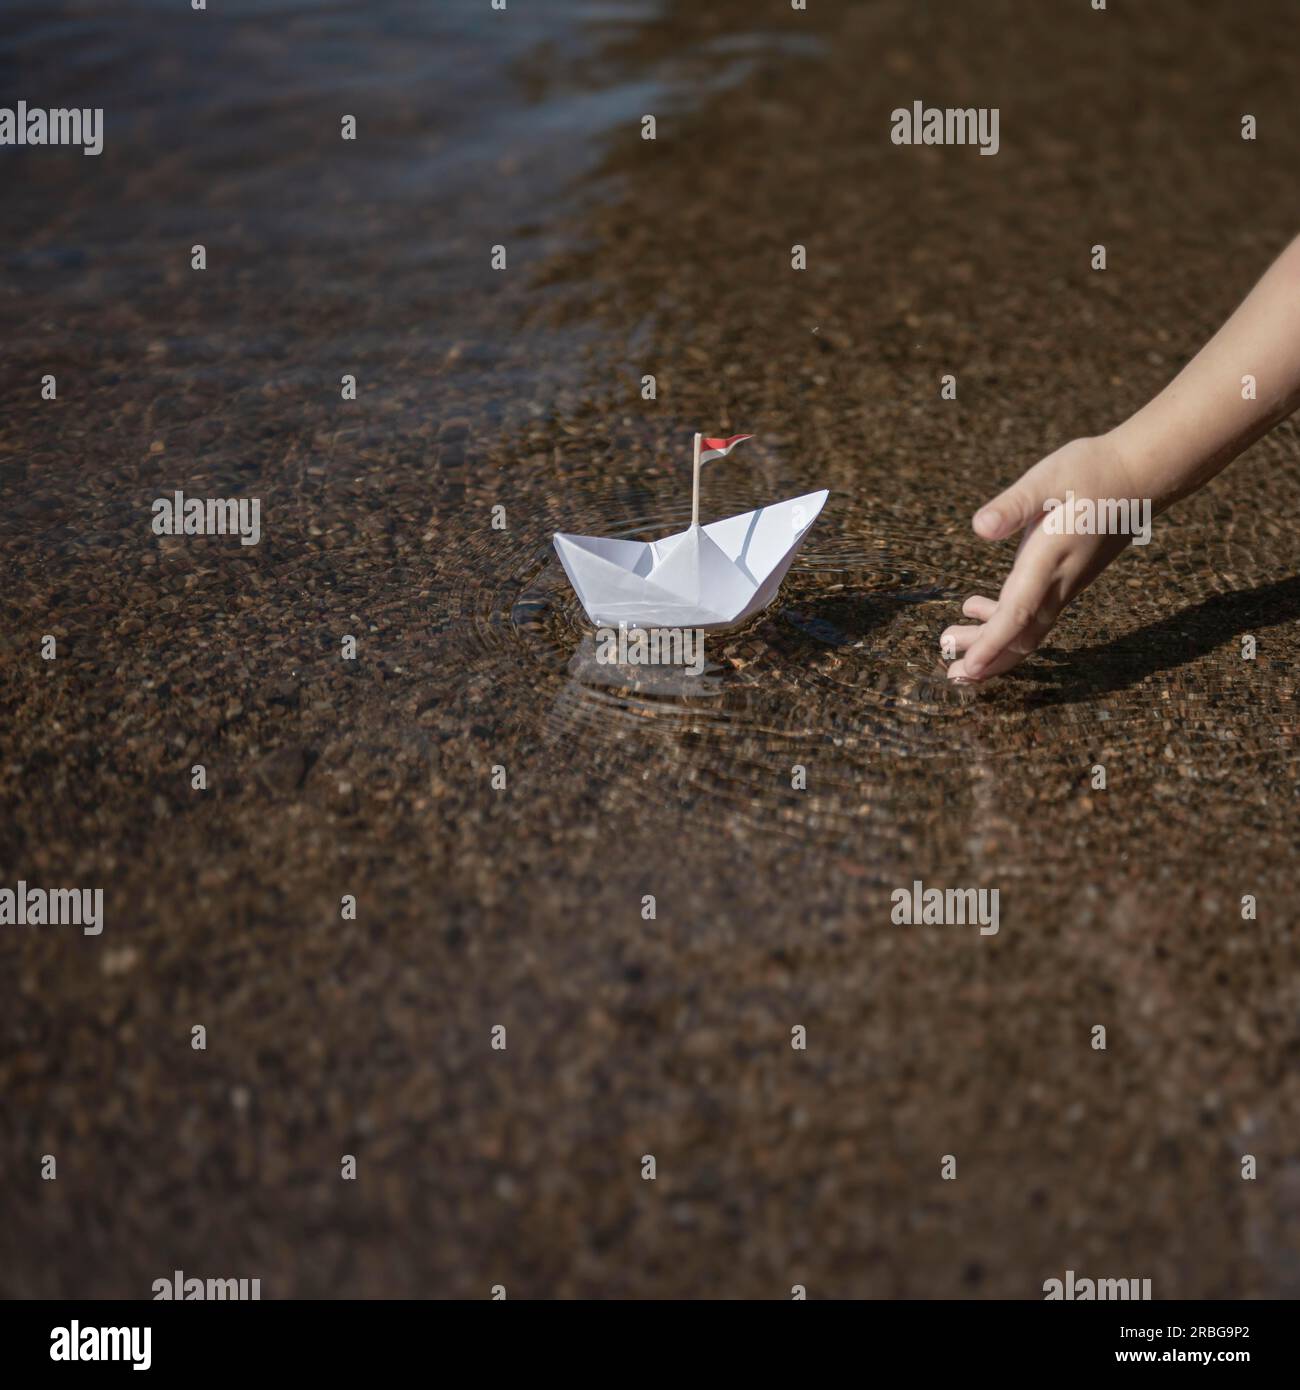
(1183,636)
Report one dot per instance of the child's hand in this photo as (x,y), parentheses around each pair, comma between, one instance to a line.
(1240,384)
(1049,570)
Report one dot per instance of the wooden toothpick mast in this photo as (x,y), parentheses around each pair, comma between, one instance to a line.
(706,450)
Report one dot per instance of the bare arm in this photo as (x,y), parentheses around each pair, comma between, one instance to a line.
(1200,422)
(1240,384)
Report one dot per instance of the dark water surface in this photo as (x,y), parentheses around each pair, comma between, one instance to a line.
(523,907)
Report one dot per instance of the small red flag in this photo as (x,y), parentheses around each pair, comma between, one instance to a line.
(719,448)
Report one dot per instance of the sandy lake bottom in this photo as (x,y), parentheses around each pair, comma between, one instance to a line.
(523,907)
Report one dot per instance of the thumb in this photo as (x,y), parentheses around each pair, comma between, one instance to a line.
(1020,504)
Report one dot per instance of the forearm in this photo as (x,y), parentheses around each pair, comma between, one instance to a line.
(1200,422)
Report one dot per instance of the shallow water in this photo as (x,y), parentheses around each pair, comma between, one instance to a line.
(524,906)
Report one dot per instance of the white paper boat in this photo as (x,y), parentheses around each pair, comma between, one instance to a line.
(710,576)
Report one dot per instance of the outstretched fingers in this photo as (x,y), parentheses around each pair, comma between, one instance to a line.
(979,607)
(957,639)
(1013,630)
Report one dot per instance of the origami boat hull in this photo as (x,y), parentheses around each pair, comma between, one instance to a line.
(713,576)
